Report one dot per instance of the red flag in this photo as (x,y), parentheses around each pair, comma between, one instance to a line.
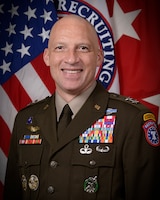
(135,26)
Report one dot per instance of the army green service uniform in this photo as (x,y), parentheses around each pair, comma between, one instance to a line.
(109,151)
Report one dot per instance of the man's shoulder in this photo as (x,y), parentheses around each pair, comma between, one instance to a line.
(127,101)
(36,105)
(120,101)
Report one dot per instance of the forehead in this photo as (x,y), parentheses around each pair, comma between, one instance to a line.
(73,28)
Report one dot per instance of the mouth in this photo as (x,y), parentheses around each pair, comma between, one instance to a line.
(72,71)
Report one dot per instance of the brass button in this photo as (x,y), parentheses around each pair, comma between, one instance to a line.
(53,164)
(92,162)
(50,189)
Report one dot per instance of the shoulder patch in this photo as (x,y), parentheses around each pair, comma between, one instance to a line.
(148,116)
(151,133)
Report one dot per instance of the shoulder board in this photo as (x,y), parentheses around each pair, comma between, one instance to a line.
(127,100)
(36,102)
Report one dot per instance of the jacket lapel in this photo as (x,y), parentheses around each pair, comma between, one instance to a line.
(92,110)
(46,120)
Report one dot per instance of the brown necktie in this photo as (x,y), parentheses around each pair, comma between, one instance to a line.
(64,120)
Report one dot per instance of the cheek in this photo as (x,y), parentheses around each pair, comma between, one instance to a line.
(53,72)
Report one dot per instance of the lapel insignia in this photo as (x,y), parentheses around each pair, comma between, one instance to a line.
(97,107)
(45,107)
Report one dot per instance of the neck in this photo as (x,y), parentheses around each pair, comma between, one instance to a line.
(70,95)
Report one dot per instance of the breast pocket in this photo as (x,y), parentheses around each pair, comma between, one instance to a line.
(93,166)
(29,168)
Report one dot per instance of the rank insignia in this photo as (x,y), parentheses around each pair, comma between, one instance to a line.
(151,133)
(134,101)
(91,185)
(33,182)
(100,132)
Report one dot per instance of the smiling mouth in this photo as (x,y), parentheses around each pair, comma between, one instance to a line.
(72,71)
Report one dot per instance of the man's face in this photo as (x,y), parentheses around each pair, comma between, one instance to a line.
(73,56)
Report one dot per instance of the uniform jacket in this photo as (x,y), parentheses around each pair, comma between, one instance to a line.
(124,166)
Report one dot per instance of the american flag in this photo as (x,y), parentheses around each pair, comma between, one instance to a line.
(24,33)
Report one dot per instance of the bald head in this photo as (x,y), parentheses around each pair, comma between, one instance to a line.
(74,22)
(73,55)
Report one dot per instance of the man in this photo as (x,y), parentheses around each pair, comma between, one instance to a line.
(109,151)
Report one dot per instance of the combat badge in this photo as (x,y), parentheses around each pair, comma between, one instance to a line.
(151,133)
(91,185)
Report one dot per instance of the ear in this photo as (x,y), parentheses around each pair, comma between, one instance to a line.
(100,57)
(46,56)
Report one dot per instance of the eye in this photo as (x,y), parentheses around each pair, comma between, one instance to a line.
(59,48)
(83,48)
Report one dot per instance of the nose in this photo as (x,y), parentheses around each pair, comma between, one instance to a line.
(72,57)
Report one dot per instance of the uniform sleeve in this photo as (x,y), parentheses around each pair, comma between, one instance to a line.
(141,158)
(12,187)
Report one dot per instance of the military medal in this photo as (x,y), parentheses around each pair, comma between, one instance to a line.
(33,182)
(30,139)
(24,182)
(91,185)
(100,132)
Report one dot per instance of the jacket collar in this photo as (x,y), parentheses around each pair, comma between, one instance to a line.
(93,109)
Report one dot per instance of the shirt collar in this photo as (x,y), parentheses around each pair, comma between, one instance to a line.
(75,104)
